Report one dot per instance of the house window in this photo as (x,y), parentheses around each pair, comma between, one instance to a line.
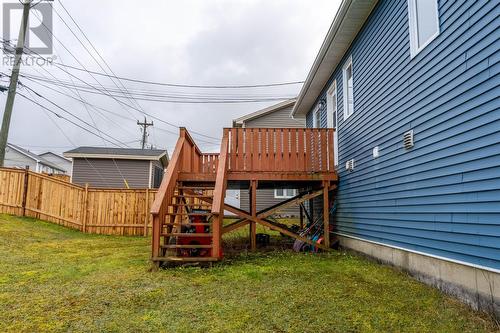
(157,177)
(316,118)
(424,23)
(284,193)
(331,106)
(348,89)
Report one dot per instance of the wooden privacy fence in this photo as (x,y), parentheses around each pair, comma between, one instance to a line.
(98,211)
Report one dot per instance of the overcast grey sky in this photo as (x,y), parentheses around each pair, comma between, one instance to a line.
(195,42)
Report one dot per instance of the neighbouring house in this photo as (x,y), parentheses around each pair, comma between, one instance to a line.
(117,167)
(275,116)
(56,159)
(412,87)
(18,157)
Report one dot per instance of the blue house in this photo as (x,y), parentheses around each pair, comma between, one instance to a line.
(412,88)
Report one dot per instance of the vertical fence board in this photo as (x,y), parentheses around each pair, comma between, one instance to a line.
(111,212)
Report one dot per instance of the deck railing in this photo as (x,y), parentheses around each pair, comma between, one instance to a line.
(281,149)
(209,163)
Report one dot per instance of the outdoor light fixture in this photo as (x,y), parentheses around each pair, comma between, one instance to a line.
(321,104)
(376,152)
(349,165)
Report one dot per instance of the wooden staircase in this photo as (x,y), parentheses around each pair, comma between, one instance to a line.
(186,234)
(188,211)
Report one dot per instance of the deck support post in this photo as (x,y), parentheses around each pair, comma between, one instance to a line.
(326,215)
(217,235)
(155,243)
(253,212)
(146,215)
(301,216)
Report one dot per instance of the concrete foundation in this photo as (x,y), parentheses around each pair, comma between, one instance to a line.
(477,287)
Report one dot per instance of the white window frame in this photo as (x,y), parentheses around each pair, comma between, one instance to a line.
(331,101)
(347,64)
(413,23)
(285,196)
(316,117)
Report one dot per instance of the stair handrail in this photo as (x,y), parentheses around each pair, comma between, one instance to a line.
(219,195)
(221,177)
(159,208)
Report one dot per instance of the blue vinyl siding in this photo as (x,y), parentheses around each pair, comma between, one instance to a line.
(441,197)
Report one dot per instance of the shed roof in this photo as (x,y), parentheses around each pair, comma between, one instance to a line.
(118,153)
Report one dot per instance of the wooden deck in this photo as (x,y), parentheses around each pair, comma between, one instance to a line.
(249,158)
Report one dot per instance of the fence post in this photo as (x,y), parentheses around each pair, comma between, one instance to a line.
(146,217)
(25,189)
(85,207)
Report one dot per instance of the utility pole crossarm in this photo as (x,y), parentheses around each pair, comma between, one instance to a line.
(144,126)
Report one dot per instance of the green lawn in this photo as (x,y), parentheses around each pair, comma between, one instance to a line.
(55,279)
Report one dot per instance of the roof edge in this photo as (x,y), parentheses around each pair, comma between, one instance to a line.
(51,152)
(263,112)
(20,151)
(118,157)
(346,7)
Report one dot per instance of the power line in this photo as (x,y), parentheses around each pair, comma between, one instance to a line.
(93,47)
(62,117)
(74,57)
(121,102)
(165,98)
(70,141)
(88,51)
(78,99)
(180,85)
(176,134)
(179,95)
(66,111)
(265,85)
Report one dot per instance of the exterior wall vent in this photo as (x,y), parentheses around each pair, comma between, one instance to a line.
(408,140)
(349,165)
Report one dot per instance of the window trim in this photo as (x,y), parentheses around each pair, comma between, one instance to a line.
(344,93)
(413,25)
(276,196)
(330,93)
(332,96)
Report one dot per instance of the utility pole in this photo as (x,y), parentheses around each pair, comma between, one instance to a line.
(144,126)
(4,132)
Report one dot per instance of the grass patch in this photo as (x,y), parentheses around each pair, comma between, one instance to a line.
(56,279)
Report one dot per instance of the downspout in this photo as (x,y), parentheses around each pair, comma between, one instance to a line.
(150,173)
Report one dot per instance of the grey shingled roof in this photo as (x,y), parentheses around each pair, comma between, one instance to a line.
(263,112)
(34,156)
(104,151)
